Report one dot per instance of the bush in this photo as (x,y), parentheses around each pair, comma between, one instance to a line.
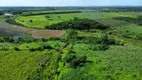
(31,21)
(43,47)
(46,47)
(1,13)
(32,49)
(47,17)
(54,38)
(75,61)
(16,49)
(106,40)
(96,47)
(139,37)
(4,49)
(9,39)
(70,36)
(2,39)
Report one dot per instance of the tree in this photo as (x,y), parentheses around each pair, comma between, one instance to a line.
(75,61)
(1,13)
(46,47)
(31,21)
(70,36)
(16,49)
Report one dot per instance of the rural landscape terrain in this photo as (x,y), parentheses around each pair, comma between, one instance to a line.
(70,43)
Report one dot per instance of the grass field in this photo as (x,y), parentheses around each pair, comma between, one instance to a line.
(40,21)
(26,65)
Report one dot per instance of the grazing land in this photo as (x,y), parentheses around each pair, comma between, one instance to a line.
(40,21)
(88,43)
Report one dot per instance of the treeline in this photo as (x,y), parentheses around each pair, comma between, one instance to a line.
(121,10)
(21,40)
(40,13)
(11,21)
(78,24)
(137,20)
(21,10)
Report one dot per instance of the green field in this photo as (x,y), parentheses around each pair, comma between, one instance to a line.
(40,21)
(111,53)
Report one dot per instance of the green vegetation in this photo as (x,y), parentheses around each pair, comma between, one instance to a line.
(78,24)
(100,44)
(137,20)
(1,12)
(64,12)
(40,21)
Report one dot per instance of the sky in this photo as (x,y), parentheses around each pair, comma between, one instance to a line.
(71,3)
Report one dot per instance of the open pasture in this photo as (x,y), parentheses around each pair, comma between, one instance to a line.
(40,21)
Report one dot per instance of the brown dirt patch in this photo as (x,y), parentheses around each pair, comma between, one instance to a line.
(47,33)
(36,33)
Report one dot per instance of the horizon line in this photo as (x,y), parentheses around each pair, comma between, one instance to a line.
(82,6)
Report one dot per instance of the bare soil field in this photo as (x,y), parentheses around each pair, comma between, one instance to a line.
(36,33)
(46,33)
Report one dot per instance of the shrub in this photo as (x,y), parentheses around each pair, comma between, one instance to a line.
(36,49)
(2,39)
(32,49)
(44,40)
(70,36)
(106,40)
(16,49)
(96,47)
(139,37)
(54,38)
(47,17)
(9,39)
(1,13)
(46,47)
(43,47)
(31,21)
(4,49)
(75,61)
